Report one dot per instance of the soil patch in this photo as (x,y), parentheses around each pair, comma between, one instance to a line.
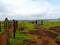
(29,43)
(3,40)
(56,28)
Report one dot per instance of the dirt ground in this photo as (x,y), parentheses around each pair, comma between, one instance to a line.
(3,40)
(42,36)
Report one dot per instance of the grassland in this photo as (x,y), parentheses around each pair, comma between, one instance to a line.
(51,24)
(28,25)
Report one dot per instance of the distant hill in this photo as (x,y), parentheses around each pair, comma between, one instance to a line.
(45,20)
(52,20)
(48,20)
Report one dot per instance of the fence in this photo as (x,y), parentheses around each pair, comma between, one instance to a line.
(14,24)
(6,25)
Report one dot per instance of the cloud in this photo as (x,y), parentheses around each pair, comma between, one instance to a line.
(27,9)
(56,12)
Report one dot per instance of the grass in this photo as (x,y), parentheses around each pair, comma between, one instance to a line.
(28,25)
(20,38)
(46,24)
(2,28)
(51,24)
(2,31)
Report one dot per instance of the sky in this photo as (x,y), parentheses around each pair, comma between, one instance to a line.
(29,9)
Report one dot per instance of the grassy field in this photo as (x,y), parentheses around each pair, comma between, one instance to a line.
(28,25)
(51,24)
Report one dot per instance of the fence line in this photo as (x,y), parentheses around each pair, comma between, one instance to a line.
(15,26)
(7,31)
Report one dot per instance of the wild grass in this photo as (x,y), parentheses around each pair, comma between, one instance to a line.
(2,28)
(28,25)
(51,24)
(20,38)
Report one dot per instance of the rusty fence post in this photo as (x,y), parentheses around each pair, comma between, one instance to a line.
(0,26)
(14,31)
(36,22)
(41,22)
(7,31)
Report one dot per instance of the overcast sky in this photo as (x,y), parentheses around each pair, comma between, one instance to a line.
(29,9)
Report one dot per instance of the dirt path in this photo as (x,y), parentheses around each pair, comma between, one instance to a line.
(3,37)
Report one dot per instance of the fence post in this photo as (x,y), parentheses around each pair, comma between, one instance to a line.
(41,22)
(7,32)
(36,22)
(0,26)
(14,31)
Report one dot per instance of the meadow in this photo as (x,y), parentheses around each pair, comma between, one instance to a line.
(51,24)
